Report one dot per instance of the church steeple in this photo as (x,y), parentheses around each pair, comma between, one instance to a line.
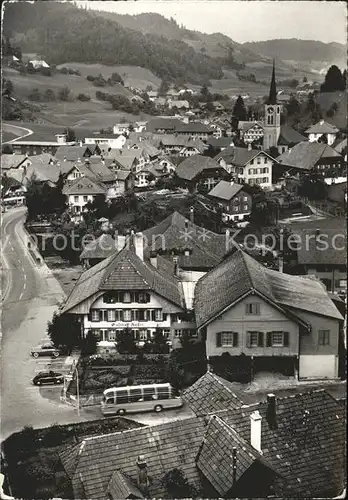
(272,99)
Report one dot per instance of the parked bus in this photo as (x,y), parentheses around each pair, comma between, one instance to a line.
(135,398)
(13,201)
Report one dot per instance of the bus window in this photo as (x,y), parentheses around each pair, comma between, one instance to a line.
(109,400)
(163,392)
(135,395)
(149,394)
(121,397)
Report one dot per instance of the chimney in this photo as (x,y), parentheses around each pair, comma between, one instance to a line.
(249,146)
(138,239)
(271,411)
(192,215)
(143,482)
(153,259)
(255,430)
(176,265)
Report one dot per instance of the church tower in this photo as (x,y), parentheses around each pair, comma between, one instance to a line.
(271,126)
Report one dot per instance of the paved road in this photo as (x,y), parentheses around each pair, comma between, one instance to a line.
(19,132)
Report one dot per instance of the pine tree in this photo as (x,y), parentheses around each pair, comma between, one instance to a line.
(239,112)
(333,80)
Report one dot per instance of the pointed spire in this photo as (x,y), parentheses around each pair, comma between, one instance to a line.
(272,99)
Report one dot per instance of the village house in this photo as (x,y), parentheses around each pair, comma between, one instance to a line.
(74,153)
(124,181)
(106,141)
(196,130)
(160,168)
(11,162)
(267,449)
(320,130)
(80,192)
(36,146)
(322,252)
(246,165)
(125,291)
(100,249)
(121,128)
(201,173)
(178,104)
(250,131)
(306,157)
(288,138)
(173,144)
(163,125)
(235,202)
(220,144)
(267,321)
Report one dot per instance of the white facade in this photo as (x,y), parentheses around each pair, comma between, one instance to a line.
(77,202)
(259,171)
(329,137)
(121,128)
(253,134)
(107,142)
(318,366)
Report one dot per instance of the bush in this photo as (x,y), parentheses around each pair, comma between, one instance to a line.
(89,344)
(90,78)
(64,93)
(83,97)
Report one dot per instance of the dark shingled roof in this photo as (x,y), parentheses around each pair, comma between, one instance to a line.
(240,274)
(289,136)
(322,127)
(83,185)
(194,165)
(330,248)
(193,127)
(101,248)
(225,190)
(162,123)
(215,459)
(305,155)
(72,153)
(123,271)
(210,393)
(120,486)
(164,447)
(308,446)
(222,142)
(176,232)
(239,156)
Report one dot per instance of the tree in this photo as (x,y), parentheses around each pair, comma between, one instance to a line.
(83,97)
(89,344)
(63,93)
(49,95)
(333,80)
(313,187)
(305,79)
(293,107)
(163,88)
(115,77)
(65,331)
(177,485)
(8,87)
(239,112)
(125,341)
(35,95)
(159,342)
(70,135)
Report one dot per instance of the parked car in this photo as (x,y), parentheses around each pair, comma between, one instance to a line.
(48,378)
(45,349)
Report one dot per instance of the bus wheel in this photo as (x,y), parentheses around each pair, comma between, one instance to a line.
(158,408)
(121,412)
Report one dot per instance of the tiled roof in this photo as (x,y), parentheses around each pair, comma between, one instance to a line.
(215,459)
(193,127)
(162,123)
(322,127)
(101,248)
(210,393)
(164,447)
(314,252)
(72,153)
(340,145)
(100,170)
(308,446)
(194,165)
(124,271)
(84,186)
(222,142)
(240,274)
(120,486)
(122,175)
(225,190)
(305,155)
(245,125)
(289,136)
(170,235)
(12,161)
(238,156)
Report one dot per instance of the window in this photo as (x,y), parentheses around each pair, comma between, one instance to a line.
(245,208)
(251,162)
(254,339)
(149,393)
(277,339)
(265,180)
(245,198)
(236,209)
(112,335)
(121,397)
(342,283)
(110,400)
(142,297)
(127,315)
(252,308)
(111,314)
(251,171)
(177,333)
(85,198)
(258,159)
(126,297)
(76,199)
(264,159)
(158,315)
(162,393)
(324,337)
(94,315)
(142,335)
(135,315)
(228,339)
(135,395)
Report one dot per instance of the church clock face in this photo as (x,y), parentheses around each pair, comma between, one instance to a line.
(270,111)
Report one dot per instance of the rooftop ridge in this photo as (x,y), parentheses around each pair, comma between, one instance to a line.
(218,379)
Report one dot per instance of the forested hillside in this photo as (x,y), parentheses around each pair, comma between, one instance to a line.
(62,33)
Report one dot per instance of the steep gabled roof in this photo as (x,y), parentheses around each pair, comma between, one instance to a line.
(162,123)
(211,393)
(120,486)
(289,136)
(124,271)
(72,153)
(239,275)
(305,155)
(194,128)
(101,248)
(322,127)
(84,186)
(308,446)
(239,156)
(225,190)
(9,161)
(194,165)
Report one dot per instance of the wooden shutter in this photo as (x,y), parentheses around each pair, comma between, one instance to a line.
(269,339)
(101,315)
(260,339)
(286,339)
(148,298)
(218,339)
(137,334)
(153,315)
(257,308)
(235,339)
(90,316)
(121,315)
(248,339)
(148,334)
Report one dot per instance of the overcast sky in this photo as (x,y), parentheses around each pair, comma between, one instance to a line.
(244,20)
